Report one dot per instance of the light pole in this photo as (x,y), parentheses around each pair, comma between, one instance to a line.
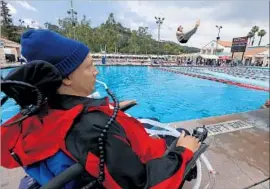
(218,27)
(159,22)
(73,15)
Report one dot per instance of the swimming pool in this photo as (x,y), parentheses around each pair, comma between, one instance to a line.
(170,97)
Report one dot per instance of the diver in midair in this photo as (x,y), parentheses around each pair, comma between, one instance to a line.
(183,37)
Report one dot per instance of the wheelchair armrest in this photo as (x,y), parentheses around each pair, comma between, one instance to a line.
(196,155)
(125,105)
(66,176)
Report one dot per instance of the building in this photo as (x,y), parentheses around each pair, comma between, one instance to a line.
(10,49)
(254,55)
(2,53)
(222,48)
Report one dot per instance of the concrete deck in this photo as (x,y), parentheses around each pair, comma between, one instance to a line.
(10,65)
(241,158)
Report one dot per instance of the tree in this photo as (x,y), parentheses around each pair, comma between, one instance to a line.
(133,43)
(166,48)
(111,21)
(261,33)
(143,37)
(7,20)
(53,27)
(254,30)
(7,27)
(250,35)
(66,27)
(111,36)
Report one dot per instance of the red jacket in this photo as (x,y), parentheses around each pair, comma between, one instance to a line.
(73,124)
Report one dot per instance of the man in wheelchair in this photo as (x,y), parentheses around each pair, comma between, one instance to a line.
(59,126)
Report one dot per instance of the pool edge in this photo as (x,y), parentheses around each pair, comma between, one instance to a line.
(241,157)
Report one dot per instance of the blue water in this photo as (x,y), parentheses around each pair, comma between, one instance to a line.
(170,97)
(9,108)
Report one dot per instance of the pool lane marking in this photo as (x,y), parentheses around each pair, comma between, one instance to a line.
(218,80)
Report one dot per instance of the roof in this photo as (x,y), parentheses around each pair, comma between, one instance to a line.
(251,51)
(254,51)
(8,43)
(221,43)
(225,43)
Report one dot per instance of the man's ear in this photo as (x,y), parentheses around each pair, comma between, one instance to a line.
(67,81)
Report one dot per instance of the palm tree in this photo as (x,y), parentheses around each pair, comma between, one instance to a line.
(254,30)
(21,22)
(250,35)
(260,34)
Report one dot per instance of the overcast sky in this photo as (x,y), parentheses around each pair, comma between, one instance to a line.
(236,17)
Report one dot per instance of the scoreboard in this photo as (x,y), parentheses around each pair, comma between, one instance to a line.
(239,44)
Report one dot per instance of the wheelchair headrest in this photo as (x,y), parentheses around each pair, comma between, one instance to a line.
(22,83)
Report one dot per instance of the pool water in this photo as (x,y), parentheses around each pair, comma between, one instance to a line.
(168,96)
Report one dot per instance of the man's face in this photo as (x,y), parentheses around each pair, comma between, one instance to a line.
(83,79)
(180,28)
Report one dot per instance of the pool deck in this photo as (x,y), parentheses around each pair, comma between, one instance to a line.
(97,63)
(240,158)
(10,65)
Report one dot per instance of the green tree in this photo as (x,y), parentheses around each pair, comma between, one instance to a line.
(134,46)
(250,35)
(261,33)
(112,36)
(167,48)
(8,30)
(143,39)
(254,30)
(53,27)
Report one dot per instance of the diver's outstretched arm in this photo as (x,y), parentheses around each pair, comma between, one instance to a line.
(184,37)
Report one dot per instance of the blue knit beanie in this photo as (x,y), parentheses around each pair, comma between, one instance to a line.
(64,53)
